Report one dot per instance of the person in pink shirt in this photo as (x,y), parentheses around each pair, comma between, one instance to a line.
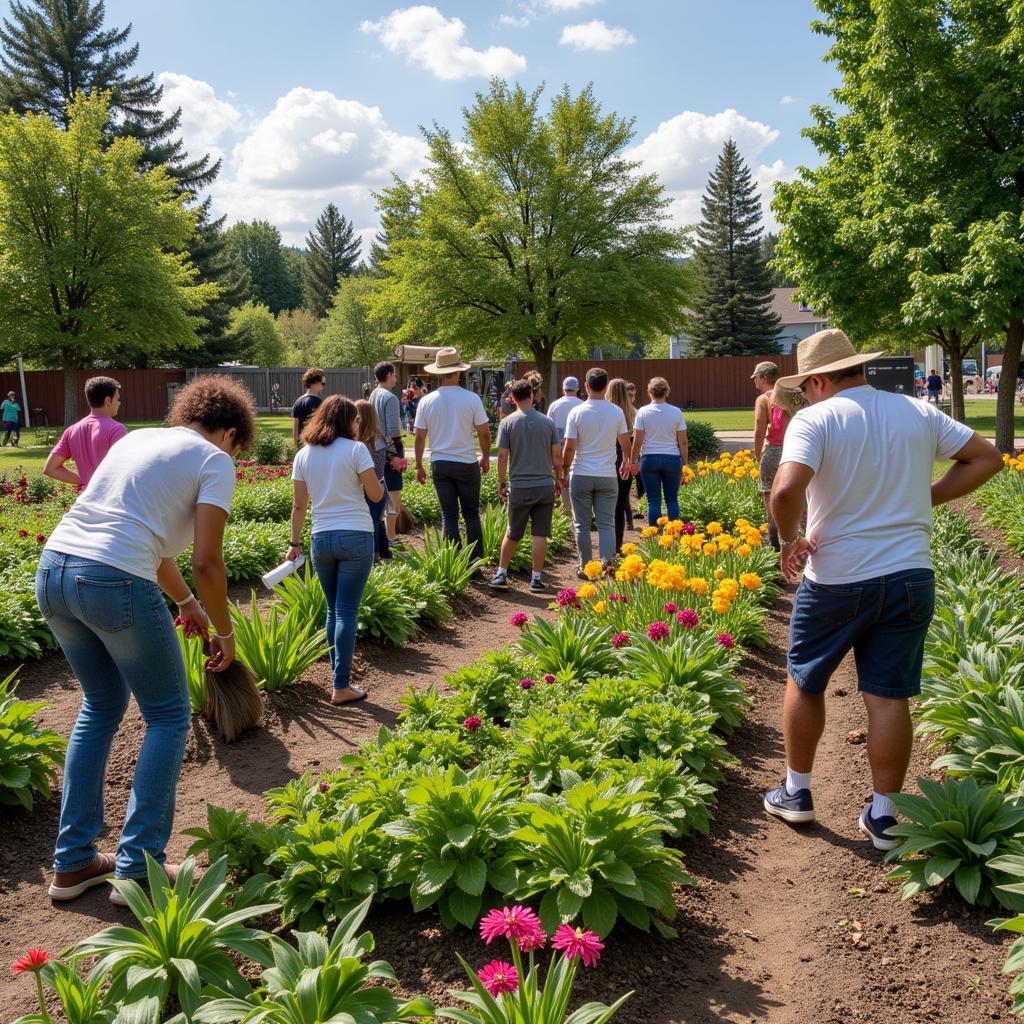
(88,441)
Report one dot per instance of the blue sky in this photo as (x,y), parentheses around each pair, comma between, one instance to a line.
(310,101)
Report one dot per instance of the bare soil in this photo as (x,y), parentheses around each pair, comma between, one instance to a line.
(784,925)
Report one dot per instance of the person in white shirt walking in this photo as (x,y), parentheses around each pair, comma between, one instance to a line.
(588,466)
(660,450)
(861,460)
(450,415)
(558,413)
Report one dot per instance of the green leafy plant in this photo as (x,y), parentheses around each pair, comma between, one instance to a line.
(302,595)
(425,594)
(443,562)
(959,831)
(421,499)
(269,448)
(279,648)
(569,646)
(269,502)
(1014,958)
(29,756)
(679,797)
(385,611)
(195,669)
(701,439)
(542,744)
(490,682)
(84,1000)
(250,549)
(230,834)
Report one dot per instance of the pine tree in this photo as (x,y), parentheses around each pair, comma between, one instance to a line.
(732,312)
(332,250)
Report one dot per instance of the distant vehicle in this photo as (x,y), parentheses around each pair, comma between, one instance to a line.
(971,375)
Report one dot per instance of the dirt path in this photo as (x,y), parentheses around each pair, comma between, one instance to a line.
(784,926)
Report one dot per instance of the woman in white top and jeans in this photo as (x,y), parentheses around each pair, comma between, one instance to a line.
(336,473)
(659,439)
(101,586)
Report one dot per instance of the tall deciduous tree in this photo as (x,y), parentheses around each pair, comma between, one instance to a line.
(535,233)
(262,342)
(732,314)
(352,334)
(93,248)
(276,273)
(301,331)
(332,249)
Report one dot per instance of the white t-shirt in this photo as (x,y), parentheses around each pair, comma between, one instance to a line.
(869,503)
(331,475)
(140,504)
(558,412)
(660,422)
(450,416)
(595,426)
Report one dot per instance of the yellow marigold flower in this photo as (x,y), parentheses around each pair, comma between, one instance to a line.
(732,483)
(688,474)
(661,520)
(592,570)
(742,524)
(741,473)
(632,566)
(726,542)
(699,586)
(754,474)
(703,472)
(729,587)
(745,550)
(714,528)
(720,605)
(628,549)
(710,550)
(587,590)
(750,580)
(649,531)
(666,541)
(600,607)
(764,527)
(719,574)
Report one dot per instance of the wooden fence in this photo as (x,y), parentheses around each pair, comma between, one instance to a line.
(259,380)
(718,383)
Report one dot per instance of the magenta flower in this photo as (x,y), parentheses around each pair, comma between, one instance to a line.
(688,618)
(568,598)
(513,922)
(670,609)
(498,976)
(324,787)
(658,630)
(726,640)
(527,684)
(23,533)
(578,943)
(520,619)
(532,941)
(689,529)
(40,538)
(549,678)
(472,723)
(620,640)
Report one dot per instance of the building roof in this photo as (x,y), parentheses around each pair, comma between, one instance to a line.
(791,312)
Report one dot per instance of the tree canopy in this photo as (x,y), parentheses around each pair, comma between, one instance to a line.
(262,342)
(332,249)
(276,272)
(352,335)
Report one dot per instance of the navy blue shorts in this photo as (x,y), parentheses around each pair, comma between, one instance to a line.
(884,622)
(392,479)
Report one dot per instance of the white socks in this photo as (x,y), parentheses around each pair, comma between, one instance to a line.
(882,807)
(536,576)
(795,781)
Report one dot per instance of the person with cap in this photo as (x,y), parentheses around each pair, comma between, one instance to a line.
(10,409)
(558,413)
(450,415)
(770,422)
(861,461)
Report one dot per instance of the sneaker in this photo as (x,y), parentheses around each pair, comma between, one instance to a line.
(581,575)
(68,885)
(498,582)
(537,586)
(874,829)
(797,809)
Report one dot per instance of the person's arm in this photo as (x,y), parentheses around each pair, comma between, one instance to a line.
(979,460)
(627,465)
(300,502)
(421,444)
(568,454)
(684,447)
(56,470)
(211,582)
(502,470)
(372,487)
(760,426)
(788,500)
(556,466)
(295,431)
(394,425)
(483,432)
(189,610)
(638,443)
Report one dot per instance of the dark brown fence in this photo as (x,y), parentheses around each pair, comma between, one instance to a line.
(719,383)
(144,392)
(259,380)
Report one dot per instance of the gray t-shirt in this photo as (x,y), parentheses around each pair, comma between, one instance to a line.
(385,405)
(528,435)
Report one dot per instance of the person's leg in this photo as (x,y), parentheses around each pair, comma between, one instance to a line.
(651,477)
(890,741)
(518,512)
(671,476)
(581,492)
(803,722)
(325,565)
(538,554)
(773,530)
(448,499)
(621,510)
(353,552)
(541,515)
(508,552)
(467,485)
(605,495)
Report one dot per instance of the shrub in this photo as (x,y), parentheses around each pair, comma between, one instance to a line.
(279,648)
(29,756)
(386,612)
(250,550)
(569,646)
(269,502)
(701,440)
(451,566)
(269,448)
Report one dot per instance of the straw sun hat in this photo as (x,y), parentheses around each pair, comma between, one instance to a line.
(825,352)
(446,361)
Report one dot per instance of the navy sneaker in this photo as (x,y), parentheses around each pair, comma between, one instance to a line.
(537,586)
(874,829)
(797,809)
(498,582)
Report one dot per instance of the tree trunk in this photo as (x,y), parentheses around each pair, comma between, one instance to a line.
(70,388)
(543,356)
(1007,396)
(956,387)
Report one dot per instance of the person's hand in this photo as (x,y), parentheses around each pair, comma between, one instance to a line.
(625,472)
(565,481)
(222,652)
(421,476)
(634,467)
(503,491)
(485,463)
(194,620)
(794,556)
(293,552)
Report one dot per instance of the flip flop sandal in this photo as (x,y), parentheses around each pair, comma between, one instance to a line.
(62,893)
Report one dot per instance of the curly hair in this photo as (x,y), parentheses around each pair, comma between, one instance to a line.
(314,375)
(216,402)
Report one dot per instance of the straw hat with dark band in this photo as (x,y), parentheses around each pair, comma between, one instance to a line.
(825,352)
(446,361)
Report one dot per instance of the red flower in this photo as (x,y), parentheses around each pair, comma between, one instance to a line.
(578,943)
(514,922)
(40,538)
(324,787)
(568,598)
(520,619)
(688,618)
(472,723)
(23,533)
(620,640)
(32,961)
(658,630)
(498,976)
(527,684)
(549,678)
(726,640)
(670,609)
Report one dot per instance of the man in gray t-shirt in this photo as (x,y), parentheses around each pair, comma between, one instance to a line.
(389,421)
(528,451)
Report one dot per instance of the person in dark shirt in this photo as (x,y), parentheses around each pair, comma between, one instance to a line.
(314,380)
(934,387)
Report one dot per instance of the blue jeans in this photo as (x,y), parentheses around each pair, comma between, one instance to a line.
(661,473)
(342,560)
(118,636)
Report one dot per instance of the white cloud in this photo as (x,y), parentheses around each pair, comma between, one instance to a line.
(568,5)
(509,21)
(786,100)
(204,117)
(683,152)
(435,42)
(595,35)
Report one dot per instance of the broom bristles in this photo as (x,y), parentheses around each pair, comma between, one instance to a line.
(233,702)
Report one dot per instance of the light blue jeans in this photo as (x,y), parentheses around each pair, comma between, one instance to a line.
(342,560)
(117,633)
(594,496)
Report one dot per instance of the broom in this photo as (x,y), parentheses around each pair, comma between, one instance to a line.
(233,702)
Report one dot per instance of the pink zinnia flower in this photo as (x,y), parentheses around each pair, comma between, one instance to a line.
(532,941)
(513,922)
(549,678)
(688,618)
(324,787)
(689,529)
(620,640)
(32,961)
(670,609)
(472,723)
(527,684)
(498,976)
(658,630)
(726,640)
(577,942)
(519,619)
(568,597)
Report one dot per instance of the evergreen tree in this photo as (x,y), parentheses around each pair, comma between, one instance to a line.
(732,309)
(332,250)
(276,271)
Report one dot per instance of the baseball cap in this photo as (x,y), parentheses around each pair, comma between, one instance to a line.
(762,368)
(570,384)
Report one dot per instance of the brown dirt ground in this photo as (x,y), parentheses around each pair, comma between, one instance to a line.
(784,926)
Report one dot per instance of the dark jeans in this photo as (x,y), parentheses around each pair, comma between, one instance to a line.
(661,473)
(380,532)
(623,511)
(458,486)
(12,428)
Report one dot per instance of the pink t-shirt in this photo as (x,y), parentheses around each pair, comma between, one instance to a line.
(88,441)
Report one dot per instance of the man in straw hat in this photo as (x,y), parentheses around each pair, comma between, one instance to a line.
(450,415)
(861,462)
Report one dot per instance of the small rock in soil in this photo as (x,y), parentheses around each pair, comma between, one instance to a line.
(856,736)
